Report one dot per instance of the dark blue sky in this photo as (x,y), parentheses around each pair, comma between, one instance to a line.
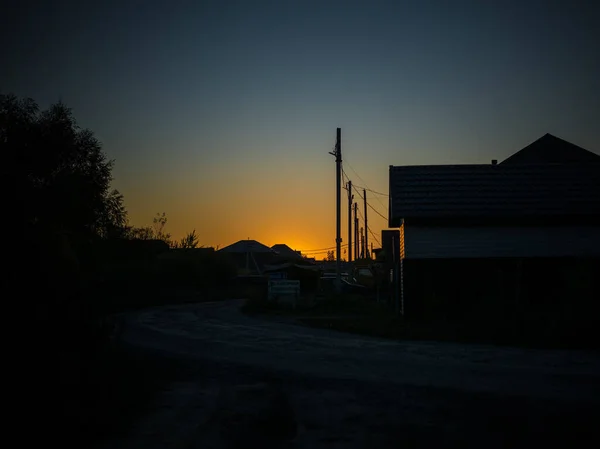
(198,97)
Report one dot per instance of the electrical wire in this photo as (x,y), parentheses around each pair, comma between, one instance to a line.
(368,204)
(376,211)
(374,237)
(346,179)
(322,250)
(373,191)
(367,187)
(360,214)
(378,200)
(351,168)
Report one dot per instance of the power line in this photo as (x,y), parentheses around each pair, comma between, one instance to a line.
(361,196)
(320,250)
(364,182)
(377,198)
(375,237)
(317,250)
(376,211)
(368,204)
(356,188)
(372,191)
(369,190)
(360,214)
(351,168)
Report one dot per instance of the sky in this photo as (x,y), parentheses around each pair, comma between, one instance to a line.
(222,113)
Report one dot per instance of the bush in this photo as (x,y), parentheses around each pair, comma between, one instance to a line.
(198,267)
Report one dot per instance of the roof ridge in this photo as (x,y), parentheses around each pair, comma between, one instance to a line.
(551,149)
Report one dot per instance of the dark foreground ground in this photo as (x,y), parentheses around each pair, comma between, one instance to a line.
(236,381)
(352,414)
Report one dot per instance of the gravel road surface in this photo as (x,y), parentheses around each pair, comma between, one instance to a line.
(347,391)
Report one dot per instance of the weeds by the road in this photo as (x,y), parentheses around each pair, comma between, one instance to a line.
(362,316)
(345,313)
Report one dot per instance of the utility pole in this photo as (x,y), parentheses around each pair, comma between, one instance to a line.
(350,198)
(366,226)
(356,252)
(338,185)
(362,243)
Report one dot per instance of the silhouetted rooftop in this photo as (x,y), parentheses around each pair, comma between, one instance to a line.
(285,251)
(531,184)
(553,150)
(247,246)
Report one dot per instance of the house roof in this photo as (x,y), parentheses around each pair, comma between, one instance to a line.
(553,150)
(285,251)
(247,246)
(515,190)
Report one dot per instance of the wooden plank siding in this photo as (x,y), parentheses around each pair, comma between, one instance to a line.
(422,242)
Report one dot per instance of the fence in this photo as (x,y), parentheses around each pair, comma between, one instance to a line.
(284,291)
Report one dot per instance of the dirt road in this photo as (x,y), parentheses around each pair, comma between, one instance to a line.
(349,392)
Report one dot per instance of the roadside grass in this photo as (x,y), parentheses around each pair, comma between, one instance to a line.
(346,313)
(354,314)
(357,315)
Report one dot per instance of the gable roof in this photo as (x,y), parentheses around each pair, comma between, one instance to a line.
(247,246)
(443,193)
(550,149)
(285,251)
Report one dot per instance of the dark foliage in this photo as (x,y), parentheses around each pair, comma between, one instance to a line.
(60,170)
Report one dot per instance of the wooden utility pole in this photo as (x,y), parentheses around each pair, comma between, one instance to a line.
(356,251)
(338,199)
(350,198)
(362,243)
(366,226)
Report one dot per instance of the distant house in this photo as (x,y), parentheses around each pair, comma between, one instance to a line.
(285,251)
(525,231)
(245,246)
(250,256)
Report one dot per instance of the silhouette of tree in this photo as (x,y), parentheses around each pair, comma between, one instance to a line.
(141,233)
(159,223)
(154,232)
(190,241)
(330,256)
(60,170)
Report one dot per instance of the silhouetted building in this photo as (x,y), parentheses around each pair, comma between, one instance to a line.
(543,201)
(250,256)
(523,234)
(285,251)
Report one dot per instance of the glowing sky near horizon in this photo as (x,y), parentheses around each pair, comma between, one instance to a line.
(222,113)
